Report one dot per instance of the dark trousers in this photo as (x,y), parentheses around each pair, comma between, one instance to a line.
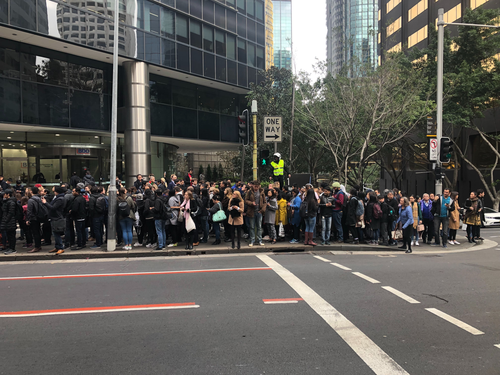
(69,237)
(236,228)
(174,233)
(149,227)
(453,235)
(119,231)
(80,233)
(47,232)
(296,232)
(11,239)
(27,232)
(383,232)
(428,230)
(36,232)
(389,230)
(407,233)
(97,225)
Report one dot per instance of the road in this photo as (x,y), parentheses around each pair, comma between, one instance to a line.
(254,314)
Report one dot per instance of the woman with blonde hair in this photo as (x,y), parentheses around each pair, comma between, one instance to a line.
(235,220)
(406,220)
(228,194)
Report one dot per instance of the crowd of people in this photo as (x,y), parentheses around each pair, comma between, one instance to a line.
(162,214)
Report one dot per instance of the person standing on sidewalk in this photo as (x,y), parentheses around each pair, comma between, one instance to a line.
(32,220)
(454,220)
(9,224)
(326,203)
(235,208)
(338,203)
(406,219)
(157,210)
(216,225)
(296,220)
(310,219)
(270,217)
(441,208)
(125,211)
(256,207)
(78,212)
(97,206)
(383,220)
(427,219)
(56,214)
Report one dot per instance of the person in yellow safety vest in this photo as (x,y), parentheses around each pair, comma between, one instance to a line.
(279,169)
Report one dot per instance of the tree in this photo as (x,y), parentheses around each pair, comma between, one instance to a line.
(208,176)
(221,172)
(200,170)
(472,87)
(215,173)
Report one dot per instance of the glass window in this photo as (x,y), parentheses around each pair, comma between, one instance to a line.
(183,5)
(259,10)
(208,38)
(232,74)
(261,34)
(220,43)
(209,126)
(208,11)
(167,23)
(185,123)
(242,75)
(43,69)
(231,20)
(228,104)
(220,16)
(23,14)
(209,66)
(168,52)
(88,110)
(261,61)
(4,11)
(161,120)
(231,47)
(242,51)
(152,48)
(10,100)
(251,30)
(251,55)
(208,100)
(195,8)
(182,29)
(195,29)
(184,94)
(183,57)
(169,2)
(251,8)
(86,78)
(9,63)
(140,45)
(45,105)
(231,3)
(152,17)
(196,61)
(241,6)
(160,90)
(252,76)
(229,129)
(220,69)
(242,26)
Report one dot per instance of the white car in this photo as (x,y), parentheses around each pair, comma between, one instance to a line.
(491,217)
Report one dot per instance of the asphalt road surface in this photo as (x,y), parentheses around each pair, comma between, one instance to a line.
(254,314)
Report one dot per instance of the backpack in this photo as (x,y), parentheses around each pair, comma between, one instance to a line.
(303,210)
(360,208)
(166,213)
(19,212)
(124,209)
(390,212)
(101,205)
(377,211)
(42,212)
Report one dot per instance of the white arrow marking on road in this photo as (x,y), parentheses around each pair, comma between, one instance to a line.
(455,321)
(363,346)
(367,278)
(497,345)
(400,294)
(321,258)
(341,266)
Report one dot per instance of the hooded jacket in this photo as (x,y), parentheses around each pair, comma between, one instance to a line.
(9,214)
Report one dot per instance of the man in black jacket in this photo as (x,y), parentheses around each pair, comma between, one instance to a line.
(56,215)
(326,202)
(78,212)
(8,224)
(33,221)
(383,221)
(138,184)
(392,215)
(157,210)
(97,207)
(74,180)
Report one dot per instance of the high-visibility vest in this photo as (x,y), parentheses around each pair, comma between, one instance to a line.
(278,167)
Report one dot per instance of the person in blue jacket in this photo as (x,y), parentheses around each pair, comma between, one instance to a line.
(296,219)
(406,220)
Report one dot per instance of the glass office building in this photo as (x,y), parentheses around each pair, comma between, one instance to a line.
(282,33)
(352,33)
(185,68)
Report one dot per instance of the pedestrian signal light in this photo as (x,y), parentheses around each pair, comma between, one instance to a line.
(264,155)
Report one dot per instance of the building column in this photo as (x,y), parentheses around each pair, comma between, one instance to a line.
(137,121)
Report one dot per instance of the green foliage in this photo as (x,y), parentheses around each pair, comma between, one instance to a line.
(200,170)
(208,175)
(221,172)
(215,173)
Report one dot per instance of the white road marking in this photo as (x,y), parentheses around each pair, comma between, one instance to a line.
(363,346)
(400,294)
(321,258)
(367,278)
(455,321)
(279,302)
(497,345)
(341,266)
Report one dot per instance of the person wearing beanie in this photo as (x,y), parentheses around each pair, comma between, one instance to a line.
(56,217)
(8,224)
(78,211)
(33,221)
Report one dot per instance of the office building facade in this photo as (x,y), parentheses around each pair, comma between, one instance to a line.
(282,33)
(269,34)
(352,28)
(185,68)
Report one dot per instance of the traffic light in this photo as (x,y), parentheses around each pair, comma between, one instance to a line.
(438,173)
(243,122)
(445,150)
(264,158)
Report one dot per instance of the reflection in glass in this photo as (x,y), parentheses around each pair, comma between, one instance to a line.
(220,16)
(208,11)
(89,110)
(242,26)
(182,30)
(168,51)
(44,69)
(259,10)
(167,23)
(160,90)
(251,55)
(208,38)
(185,123)
(182,57)
(251,30)
(10,100)
(23,14)
(195,8)
(209,126)
(208,100)
(45,105)
(196,61)
(242,51)
(9,63)
(195,29)
(228,104)
(220,69)
(86,78)
(209,65)
(161,120)
(220,42)
(231,20)
(231,47)
(152,48)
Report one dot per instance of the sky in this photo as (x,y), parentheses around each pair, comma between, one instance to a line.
(308,34)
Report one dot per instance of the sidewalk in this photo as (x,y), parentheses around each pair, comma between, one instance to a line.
(225,248)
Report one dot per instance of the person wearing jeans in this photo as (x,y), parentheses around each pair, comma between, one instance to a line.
(127,224)
(310,219)
(441,208)
(338,202)
(126,221)
(406,220)
(326,212)
(256,203)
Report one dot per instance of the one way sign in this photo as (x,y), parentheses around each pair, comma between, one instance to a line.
(272,129)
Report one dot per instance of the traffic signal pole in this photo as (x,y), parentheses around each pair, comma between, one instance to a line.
(254,123)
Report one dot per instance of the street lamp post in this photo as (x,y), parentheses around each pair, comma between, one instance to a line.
(111,229)
(254,122)
(439,101)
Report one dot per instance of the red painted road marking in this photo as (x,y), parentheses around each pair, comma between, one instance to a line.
(282,300)
(87,310)
(132,274)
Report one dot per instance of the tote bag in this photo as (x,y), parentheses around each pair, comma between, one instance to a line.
(190,226)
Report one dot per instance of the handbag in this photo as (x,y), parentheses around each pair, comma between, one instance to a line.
(219,215)
(281,231)
(190,225)
(397,234)
(58,226)
(420,227)
(180,216)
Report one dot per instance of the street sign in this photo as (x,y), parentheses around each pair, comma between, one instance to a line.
(431,127)
(433,149)
(272,129)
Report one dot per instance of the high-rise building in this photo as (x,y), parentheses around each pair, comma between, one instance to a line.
(269,34)
(184,70)
(405,24)
(282,30)
(352,33)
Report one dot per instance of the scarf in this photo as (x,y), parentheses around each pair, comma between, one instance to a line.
(414,207)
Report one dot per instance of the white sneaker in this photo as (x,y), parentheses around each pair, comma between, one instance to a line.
(149,245)
(125,248)
(137,244)
(456,242)
(416,243)
(261,243)
(451,242)
(412,243)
